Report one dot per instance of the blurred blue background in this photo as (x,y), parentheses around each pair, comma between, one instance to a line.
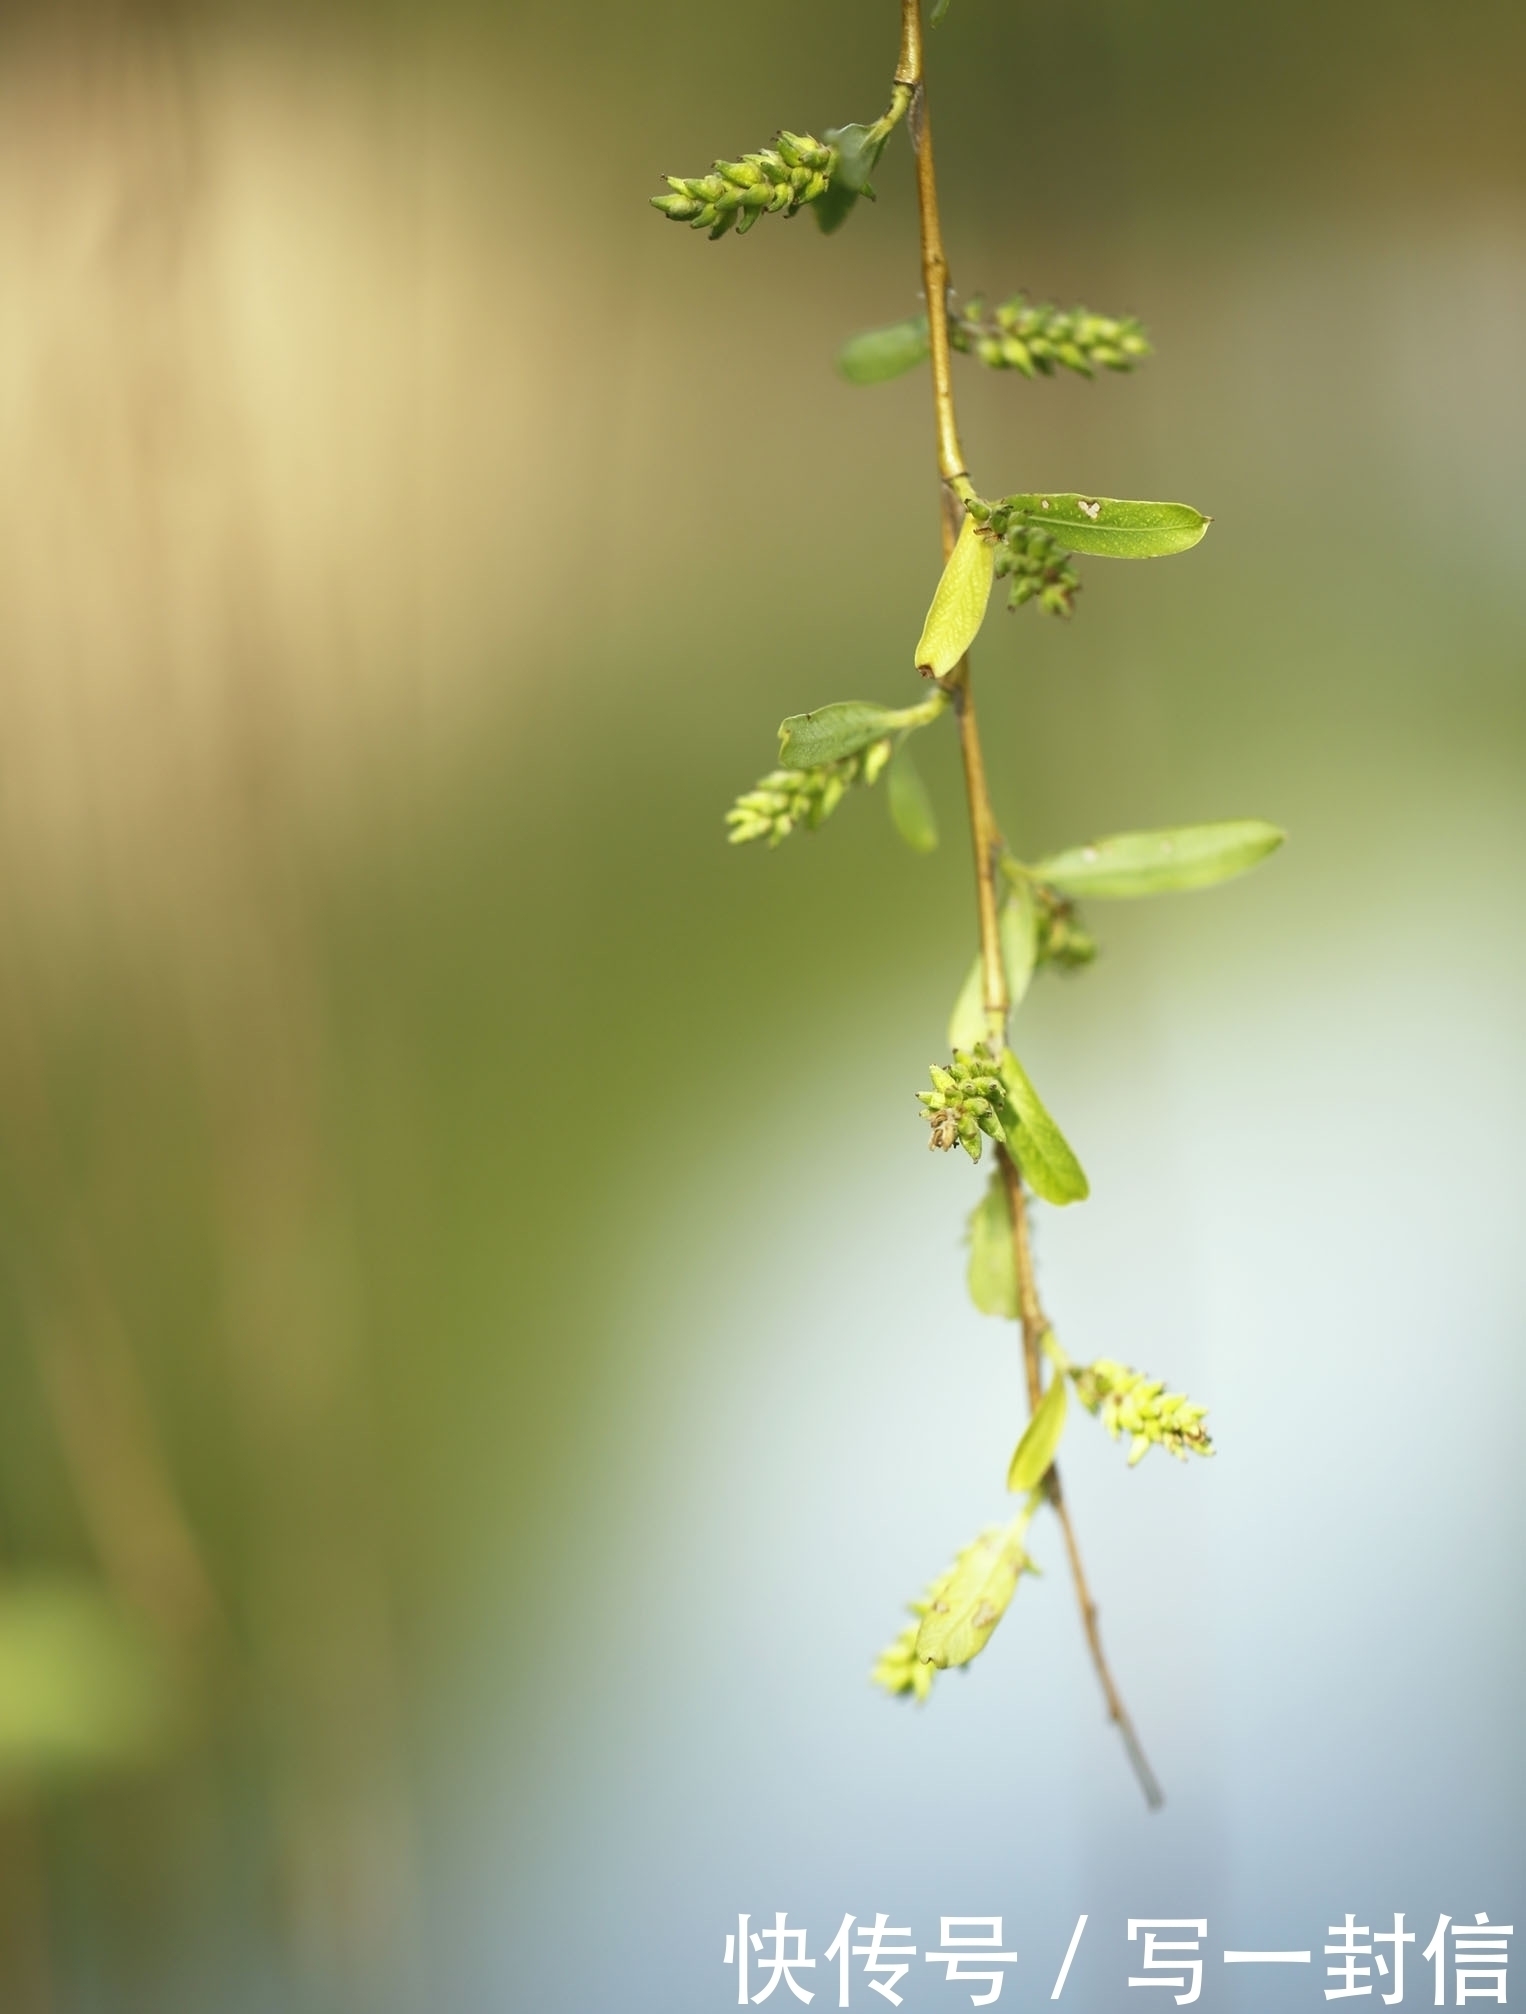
(486,1356)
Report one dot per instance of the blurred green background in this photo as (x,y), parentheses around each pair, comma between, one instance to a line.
(485,1351)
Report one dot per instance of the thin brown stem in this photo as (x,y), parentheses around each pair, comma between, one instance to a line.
(985,844)
(1029,1313)
(1035,1325)
(1117,1712)
(985,838)
(934,258)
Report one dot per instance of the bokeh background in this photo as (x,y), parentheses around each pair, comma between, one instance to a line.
(485,1354)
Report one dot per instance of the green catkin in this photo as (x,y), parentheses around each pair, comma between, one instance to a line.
(776,182)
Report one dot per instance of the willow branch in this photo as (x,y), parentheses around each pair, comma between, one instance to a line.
(985,838)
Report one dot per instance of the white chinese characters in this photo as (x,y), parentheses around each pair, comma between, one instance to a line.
(1175,1959)
(1479,1953)
(872,1954)
(785,1957)
(963,1947)
(880,1957)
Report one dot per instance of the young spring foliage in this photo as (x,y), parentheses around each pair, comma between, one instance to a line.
(959,602)
(952,1622)
(1159,863)
(1033,1457)
(1027,918)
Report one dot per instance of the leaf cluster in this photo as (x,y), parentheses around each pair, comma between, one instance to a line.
(1108,527)
(1029,539)
(956,1617)
(952,1622)
(799,171)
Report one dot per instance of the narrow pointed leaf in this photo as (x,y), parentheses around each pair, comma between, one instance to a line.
(831,732)
(858,154)
(1160,863)
(1043,1153)
(834,206)
(1019,939)
(858,151)
(959,605)
(992,1273)
(1110,527)
(959,1624)
(879,354)
(1036,1450)
(1019,955)
(967,1023)
(911,809)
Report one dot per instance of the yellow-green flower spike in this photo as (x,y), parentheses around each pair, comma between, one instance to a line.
(786,799)
(1037,338)
(967,1099)
(1129,1402)
(1039,569)
(898,1668)
(778,181)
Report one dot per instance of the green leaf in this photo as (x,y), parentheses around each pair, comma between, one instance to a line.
(878,354)
(1042,1151)
(911,808)
(833,207)
(858,152)
(1036,1450)
(992,1272)
(967,1023)
(1108,526)
(1019,955)
(1159,863)
(959,1623)
(1019,939)
(858,155)
(806,740)
(959,604)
